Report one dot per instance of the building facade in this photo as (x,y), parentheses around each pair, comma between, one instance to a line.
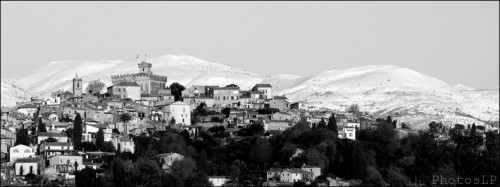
(148,82)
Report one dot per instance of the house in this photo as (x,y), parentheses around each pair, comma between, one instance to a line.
(179,111)
(66,163)
(209,101)
(279,125)
(60,137)
(218,180)
(124,144)
(21,151)
(125,90)
(273,174)
(279,102)
(28,110)
(7,143)
(295,175)
(299,105)
(197,90)
(266,89)
(167,98)
(166,159)
(313,169)
(403,133)
(226,96)
(338,182)
(347,132)
(25,166)
(50,149)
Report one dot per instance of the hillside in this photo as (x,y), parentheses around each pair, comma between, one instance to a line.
(379,89)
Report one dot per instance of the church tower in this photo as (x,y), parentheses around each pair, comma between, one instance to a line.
(77,86)
(145,67)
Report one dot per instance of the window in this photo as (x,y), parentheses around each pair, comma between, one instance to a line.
(27,151)
(15,151)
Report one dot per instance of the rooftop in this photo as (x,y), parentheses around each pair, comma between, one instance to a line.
(28,160)
(263,85)
(127,84)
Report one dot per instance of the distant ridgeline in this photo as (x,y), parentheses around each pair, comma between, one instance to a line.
(149,83)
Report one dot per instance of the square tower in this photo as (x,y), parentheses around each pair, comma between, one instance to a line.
(145,67)
(77,86)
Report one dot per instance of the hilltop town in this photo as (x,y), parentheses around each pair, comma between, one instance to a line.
(144,131)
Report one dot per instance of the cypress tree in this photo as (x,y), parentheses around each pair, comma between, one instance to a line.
(99,139)
(332,124)
(77,130)
(41,126)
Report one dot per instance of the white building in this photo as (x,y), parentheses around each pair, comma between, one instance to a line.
(218,180)
(348,132)
(21,151)
(168,158)
(126,90)
(50,149)
(33,165)
(124,144)
(295,175)
(313,169)
(28,110)
(58,136)
(66,160)
(179,111)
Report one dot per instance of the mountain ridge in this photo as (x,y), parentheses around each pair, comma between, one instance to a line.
(380,89)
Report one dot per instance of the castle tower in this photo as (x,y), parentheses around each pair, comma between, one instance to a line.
(77,86)
(145,67)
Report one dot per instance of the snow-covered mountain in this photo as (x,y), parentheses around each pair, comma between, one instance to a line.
(12,94)
(382,89)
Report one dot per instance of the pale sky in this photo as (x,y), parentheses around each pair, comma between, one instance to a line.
(457,42)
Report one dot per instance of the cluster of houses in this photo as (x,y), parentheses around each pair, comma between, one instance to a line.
(150,103)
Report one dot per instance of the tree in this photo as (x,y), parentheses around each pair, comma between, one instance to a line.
(85,177)
(261,152)
(176,90)
(95,87)
(473,129)
(22,136)
(202,162)
(201,109)
(183,168)
(332,124)
(51,139)
(314,157)
(99,142)
(41,126)
(125,117)
(77,131)
(322,123)
(226,111)
(389,120)
(354,108)
(108,147)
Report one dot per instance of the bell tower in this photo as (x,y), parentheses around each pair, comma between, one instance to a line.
(77,86)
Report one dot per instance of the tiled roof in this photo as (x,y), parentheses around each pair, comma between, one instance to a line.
(226,88)
(57,144)
(27,106)
(127,84)
(263,85)
(51,134)
(28,160)
(298,171)
(280,97)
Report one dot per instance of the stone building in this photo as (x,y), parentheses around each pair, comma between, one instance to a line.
(149,83)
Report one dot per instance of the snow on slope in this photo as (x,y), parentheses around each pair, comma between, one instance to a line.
(462,87)
(12,94)
(184,69)
(387,90)
(383,90)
